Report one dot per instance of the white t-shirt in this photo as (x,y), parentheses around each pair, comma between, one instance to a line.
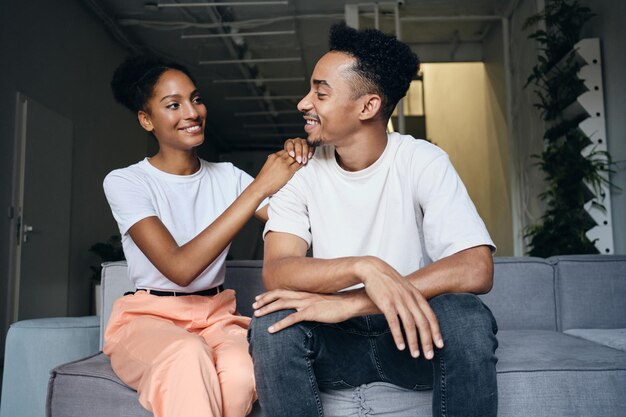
(409,208)
(186,204)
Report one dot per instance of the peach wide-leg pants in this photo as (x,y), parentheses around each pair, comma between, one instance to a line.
(185,356)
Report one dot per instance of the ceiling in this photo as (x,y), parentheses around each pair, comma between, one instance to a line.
(260,114)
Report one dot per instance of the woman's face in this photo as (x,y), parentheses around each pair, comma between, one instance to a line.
(175,113)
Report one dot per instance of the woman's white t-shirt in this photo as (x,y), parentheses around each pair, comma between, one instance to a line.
(186,204)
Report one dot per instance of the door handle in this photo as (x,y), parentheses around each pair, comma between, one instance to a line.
(26,229)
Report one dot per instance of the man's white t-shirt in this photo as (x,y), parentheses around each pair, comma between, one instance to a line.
(409,208)
(186,204)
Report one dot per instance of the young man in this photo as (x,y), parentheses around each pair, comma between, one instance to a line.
(398,252)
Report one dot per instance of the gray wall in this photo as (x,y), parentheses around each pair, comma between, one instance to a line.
(610,26)
(528,128)
(60,55)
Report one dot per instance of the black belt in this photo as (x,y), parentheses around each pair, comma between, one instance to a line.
(210,291)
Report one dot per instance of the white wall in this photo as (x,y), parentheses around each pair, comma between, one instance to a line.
(61,56)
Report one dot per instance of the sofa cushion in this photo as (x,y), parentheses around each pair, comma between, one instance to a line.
(614,338)
(522,296)
(540,373)
(89,388)
(591,291)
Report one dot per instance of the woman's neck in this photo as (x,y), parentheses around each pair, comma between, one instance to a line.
(177,163)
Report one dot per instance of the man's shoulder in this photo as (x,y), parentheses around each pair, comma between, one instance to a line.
(415,152)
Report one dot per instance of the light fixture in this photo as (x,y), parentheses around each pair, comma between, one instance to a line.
(261,80)
(249,61)
(265,112)
(243,98)
(237,34)
(223,4)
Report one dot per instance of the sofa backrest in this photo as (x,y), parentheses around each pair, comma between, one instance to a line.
(242,276)
(522,296)
(591,291)
(559,293)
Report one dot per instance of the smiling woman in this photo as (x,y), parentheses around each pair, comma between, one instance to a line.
(177,215)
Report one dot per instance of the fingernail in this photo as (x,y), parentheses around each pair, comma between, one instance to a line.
(415,353)
(292,154)
(401,346)
(304,160)
(310,155)
(299,159)
(429,354)
(439,343)
(256,297)
(270,329)
(253,305)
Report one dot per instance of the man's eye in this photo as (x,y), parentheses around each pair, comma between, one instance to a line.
(319,95)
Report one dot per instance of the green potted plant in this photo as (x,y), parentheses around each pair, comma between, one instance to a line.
(572,178)
(108,251)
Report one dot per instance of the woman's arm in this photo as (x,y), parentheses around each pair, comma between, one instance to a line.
(182,264)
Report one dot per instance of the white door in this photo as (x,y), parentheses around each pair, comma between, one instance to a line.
(42,212)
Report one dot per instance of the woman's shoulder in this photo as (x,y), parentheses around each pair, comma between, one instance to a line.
(222,169)
(132,173)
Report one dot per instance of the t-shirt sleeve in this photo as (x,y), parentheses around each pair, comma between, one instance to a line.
(451,222)
(129,200)
(288,212)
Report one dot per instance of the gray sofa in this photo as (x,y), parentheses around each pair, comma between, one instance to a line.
(562,348)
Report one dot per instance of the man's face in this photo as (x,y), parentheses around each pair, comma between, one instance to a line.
(331,114)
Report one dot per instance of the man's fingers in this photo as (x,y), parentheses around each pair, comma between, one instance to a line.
(396,331)
(409,325)
(290,320)
(435,331)
(423,328)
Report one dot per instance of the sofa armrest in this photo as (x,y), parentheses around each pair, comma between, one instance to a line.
(33,349)
(115,283)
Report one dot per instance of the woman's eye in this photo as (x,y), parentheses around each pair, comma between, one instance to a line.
(197,100)
(173,106)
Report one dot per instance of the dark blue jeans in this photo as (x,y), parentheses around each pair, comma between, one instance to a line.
(292,365)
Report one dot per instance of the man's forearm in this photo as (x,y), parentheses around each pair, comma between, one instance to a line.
(470,271)
(298,273)
(467,271)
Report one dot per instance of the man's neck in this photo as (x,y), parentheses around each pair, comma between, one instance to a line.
(363,151)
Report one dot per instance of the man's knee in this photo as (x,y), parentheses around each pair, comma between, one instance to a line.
(264,344)
(465,322)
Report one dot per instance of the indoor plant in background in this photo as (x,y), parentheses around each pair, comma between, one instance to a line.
(572,179)
(108,251)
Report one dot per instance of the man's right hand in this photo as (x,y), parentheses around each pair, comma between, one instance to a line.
(403,305)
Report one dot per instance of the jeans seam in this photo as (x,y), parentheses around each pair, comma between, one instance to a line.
(442,365)
(379,367)
(312,380)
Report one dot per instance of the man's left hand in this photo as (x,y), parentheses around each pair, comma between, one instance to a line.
(323,308)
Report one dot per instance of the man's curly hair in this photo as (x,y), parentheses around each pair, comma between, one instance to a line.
(384,65)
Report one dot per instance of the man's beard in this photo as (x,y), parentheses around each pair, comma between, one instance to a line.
(314,142)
